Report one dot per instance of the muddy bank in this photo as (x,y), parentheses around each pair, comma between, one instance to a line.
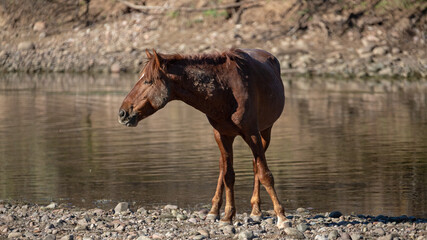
(349,38)
(29,221)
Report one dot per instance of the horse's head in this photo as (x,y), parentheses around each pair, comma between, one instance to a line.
(149,94)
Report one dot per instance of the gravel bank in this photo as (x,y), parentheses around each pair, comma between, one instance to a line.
(30,221)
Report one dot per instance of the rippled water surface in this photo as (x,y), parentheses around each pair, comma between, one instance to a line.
(354,146)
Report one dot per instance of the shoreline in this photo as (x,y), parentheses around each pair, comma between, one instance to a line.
(53,221)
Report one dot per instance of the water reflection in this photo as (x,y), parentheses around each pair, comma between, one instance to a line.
(354,146)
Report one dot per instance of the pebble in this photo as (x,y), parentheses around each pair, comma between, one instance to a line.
(302,227)
(335,214)
(26,46)
(121,207)
(115,68)
(67,237)
(198,237)
(321,237)
(204,232)
(192,220)
(355,236)
(293,232)
(143,238)
(181,217)
(51,205)
(246,235)
(379,231)
(50,237)
(39,26)
(229,229)
(157,236)
(345,236)
(333,234)
(170,207)
(14,235)
(382,50)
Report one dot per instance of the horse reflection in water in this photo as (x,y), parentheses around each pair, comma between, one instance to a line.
(241,93)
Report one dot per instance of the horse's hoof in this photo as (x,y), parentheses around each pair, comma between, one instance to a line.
(256,218)
(212,217)
(282,223)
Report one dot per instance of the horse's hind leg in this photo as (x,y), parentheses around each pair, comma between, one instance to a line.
(225,179)
(217,199)
(255,200)
(263,173)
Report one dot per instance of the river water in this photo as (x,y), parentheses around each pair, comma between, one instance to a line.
(354,146)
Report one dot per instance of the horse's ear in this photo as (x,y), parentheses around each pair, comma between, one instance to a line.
(157,58)
(149,55)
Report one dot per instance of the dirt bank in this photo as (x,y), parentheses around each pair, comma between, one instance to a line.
(351,38)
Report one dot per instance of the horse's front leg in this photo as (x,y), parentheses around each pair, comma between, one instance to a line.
(225,144)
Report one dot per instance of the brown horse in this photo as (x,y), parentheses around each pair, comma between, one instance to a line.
(241,93)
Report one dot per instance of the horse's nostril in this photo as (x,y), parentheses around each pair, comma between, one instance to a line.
(122,113)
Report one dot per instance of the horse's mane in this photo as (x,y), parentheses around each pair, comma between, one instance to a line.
(152,67)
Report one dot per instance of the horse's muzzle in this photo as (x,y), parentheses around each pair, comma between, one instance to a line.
(129,120)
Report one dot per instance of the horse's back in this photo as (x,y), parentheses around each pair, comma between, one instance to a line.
(268,86)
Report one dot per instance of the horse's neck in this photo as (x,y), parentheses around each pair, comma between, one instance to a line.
(196,89)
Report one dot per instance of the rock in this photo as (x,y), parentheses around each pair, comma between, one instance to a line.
(157,236)
(198,237)
(303,61)
(81,227)
(269,221)
(50,237)
(345,236)
(284,224)
(355,236)
(301,210)
(366,49)
(204,232)
(14,235)
(229,229)
(170,207)
(333,234)
(335,214)
(115,68)
(23,46)
(39,26)
(320,237)
(143,238)
(302,227)
(181,217)
(246,235)
(379,232)
(121,207)
(379,51)
(402,25)
(386,71)
(294,233)
(396,50)
(386,237)
(67,237)
(192,220)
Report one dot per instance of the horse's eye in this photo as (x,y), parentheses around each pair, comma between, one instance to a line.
(149,82)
